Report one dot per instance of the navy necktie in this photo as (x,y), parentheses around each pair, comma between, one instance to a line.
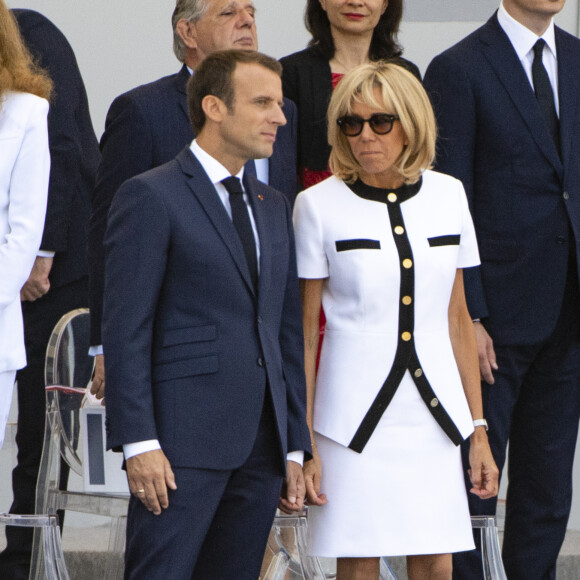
(241,219)
(544,93)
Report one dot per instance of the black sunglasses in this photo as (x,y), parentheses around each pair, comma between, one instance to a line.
(380,123)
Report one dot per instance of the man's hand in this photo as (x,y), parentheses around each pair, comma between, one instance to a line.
(37,284)
(486,353)
(293,490)
(98,385)
(149,476)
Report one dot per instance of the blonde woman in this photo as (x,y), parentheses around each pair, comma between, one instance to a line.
(381,246)
(24,170)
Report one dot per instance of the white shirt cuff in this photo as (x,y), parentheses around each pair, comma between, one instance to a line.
(95,350)
(45,254)
(131,449)
(297,456)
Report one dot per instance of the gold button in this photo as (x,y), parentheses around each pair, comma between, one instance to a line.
(399,230)
(406,336)
(418,373)
(392,197)
(407,300)
(434,402)
(407,263)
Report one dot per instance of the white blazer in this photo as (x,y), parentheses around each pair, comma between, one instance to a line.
(24,173)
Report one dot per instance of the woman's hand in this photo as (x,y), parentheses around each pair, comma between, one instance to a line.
(484,474)
(312,479)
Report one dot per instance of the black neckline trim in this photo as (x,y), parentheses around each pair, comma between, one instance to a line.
(405,192)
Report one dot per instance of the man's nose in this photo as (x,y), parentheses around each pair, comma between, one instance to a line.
(246,18)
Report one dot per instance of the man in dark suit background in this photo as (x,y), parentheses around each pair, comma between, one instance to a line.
(508,109)
(59,281)
(149,125)
(202,334)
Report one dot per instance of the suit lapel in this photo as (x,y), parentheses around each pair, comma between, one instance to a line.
(181,85)
(204,190)
(253,187)
(502,57)
(568,90)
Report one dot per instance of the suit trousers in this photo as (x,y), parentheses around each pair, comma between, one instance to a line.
(535,404)
(40,317)
(217,524)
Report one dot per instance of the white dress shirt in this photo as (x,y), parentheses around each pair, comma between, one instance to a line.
(523,40)
(216,173)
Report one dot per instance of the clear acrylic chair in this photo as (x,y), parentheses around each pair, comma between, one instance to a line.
(286,552)
(490,549)
(68,371)
(287,555)
(52,566)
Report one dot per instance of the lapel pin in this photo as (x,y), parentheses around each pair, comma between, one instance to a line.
(261,197)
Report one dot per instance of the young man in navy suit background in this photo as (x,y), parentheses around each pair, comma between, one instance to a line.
(202,334)
(149,126)
(507,100)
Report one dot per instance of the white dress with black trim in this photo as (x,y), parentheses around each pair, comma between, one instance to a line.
(389,410)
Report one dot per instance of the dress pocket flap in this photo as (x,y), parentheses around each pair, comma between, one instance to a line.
(357,244)
(450,240)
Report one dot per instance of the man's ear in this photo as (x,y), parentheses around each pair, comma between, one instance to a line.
(187,32)
(214,108)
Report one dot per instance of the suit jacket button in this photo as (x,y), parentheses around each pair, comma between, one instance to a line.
(261,362)
(566,195)
(561,240)
(259,320)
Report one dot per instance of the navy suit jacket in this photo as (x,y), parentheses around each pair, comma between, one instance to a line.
(191,347)
(524,198)
(149,126)
(74,149)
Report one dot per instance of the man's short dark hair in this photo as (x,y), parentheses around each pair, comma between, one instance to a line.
(214,76)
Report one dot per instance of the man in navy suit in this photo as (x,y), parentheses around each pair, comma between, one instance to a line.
(202,334)
(507,100)
(149,125)
(59,280)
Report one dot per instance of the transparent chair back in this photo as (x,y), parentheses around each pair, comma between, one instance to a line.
(287,555)
(68,371)
(52,565)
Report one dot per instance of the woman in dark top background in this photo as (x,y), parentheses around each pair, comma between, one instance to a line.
(345,33)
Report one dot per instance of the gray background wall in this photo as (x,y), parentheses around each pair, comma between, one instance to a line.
(123,43)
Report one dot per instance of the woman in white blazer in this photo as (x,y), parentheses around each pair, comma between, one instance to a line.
(381,245)
(24,172)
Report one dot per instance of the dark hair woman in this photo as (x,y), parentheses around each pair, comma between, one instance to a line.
(345,33)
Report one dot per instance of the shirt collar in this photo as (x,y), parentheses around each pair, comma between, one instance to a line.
(214,169)
(522,38)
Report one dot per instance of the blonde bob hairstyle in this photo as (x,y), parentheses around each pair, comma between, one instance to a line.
(402,95)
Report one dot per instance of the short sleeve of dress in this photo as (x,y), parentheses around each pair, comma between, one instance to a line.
(468,252)
(312,261)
